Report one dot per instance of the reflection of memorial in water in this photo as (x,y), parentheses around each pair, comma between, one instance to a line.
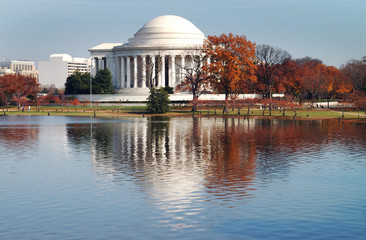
(216,153)
(173,155)
(185,164)
(216,147)
(181,163)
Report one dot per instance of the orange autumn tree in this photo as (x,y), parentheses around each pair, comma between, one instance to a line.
(336,83)
(231,63)
(314,78)
(291,74)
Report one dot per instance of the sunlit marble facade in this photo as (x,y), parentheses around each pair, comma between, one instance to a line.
(168,40)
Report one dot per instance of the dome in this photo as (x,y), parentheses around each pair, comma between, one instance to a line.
(168,30)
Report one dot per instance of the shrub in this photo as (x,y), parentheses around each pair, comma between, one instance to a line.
(158,101)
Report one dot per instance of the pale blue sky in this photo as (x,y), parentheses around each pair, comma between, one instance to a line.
(331,30)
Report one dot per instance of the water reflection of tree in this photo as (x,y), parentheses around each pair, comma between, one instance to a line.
(78,134)
(232,160)
(158,138)
(103,139)
(20,137)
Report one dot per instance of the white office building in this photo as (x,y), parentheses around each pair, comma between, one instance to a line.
(5,71)
(59,67)
(23,67)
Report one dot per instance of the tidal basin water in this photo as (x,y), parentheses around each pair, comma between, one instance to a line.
(181,178)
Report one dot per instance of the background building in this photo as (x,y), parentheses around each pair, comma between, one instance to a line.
(5,71)
(23,67)
(59,67)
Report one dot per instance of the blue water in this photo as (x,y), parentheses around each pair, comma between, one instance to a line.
(181,178)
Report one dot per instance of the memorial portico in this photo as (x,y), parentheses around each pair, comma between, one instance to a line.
(155,56)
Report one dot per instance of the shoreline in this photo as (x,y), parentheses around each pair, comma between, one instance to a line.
(320,114)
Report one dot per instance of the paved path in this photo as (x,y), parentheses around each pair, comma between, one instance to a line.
(352,113)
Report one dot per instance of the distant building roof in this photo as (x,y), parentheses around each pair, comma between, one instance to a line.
(63,56)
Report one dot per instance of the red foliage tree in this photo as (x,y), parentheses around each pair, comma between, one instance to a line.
(3,95)
(358,100)
(51,99)
(18,86)
(231,63)
(314,79)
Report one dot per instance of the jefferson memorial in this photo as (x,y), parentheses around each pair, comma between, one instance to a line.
(168,40)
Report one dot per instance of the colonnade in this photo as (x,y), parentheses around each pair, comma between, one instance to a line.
(99,63)
(137,71)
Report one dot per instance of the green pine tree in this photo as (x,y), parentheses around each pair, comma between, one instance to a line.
(77,83)
(102,82)
(158,101)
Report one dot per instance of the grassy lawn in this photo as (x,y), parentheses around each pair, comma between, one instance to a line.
(303,113)
(115,111)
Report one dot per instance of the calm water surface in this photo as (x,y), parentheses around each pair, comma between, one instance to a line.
(181,178)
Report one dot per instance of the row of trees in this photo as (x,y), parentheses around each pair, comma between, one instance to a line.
(232,65)
(23,90)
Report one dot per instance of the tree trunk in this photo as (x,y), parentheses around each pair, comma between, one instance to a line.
(195,99)
(226,110)
(270,102)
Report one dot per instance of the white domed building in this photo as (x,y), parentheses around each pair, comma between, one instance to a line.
(155,55)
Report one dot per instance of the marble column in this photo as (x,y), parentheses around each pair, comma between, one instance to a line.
(100,64)
(143,74)
(183,68)
(119,72)
(172,79)
(191,61)
(104,60)
(162,81)
(123,73)
(134,71)
(96,65)
(128,72)
(152,68)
